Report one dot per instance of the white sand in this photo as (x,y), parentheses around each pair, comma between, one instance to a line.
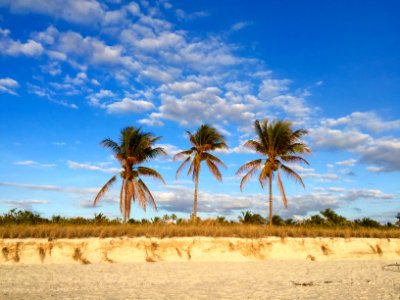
(289,279)
(200,268)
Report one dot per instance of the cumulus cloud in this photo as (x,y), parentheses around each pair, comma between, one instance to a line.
(8,46)
(366,120)
(127,105)
(80,12)
(335,139)
(383,154)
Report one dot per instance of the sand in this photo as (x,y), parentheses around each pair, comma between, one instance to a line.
(200,268)
(289,279)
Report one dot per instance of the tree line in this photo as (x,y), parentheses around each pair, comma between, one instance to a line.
(325,219)
(276,142)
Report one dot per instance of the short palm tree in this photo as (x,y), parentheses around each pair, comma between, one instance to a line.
(279,144)
(204,140)
(135,147)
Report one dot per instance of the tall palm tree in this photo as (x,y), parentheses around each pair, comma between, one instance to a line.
(205,139)
(279,144)
(134,148)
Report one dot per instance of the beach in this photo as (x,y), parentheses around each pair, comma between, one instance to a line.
(289,279)
(200,268)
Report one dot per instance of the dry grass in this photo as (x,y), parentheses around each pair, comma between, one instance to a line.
(54,231)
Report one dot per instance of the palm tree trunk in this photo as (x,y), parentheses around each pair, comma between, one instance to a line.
(270,199)
(196,188)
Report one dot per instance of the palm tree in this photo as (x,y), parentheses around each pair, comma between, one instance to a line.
(135,147)
(205,139)
(279,144)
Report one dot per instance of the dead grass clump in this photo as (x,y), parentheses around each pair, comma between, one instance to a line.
(5,252)
(79,257)
(42,254)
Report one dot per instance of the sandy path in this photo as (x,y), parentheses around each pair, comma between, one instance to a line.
(203,280)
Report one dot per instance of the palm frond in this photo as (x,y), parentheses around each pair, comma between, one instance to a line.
(261,131)
(183,153)
(139,194)
(256,146)
(299,148)
(150,173)
(104,189)
(265,173)
(249,165)
(149,196)
(214,170)
(247,177)
(183,164)
(214,159)
(281,189)
(294,158)
(109,143)
(290,173)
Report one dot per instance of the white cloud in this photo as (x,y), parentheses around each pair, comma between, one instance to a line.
(239,26)
(8,85)
(347,163)
(33,164)
(184,16)
(336,139)
(59,143)
(91,167)
(80,12)
(12,47)
(273,87)
(25,163)
(53,188)
(127,105)
(383,154)
(367,120)
(183,87)
(26,204)
(49,95)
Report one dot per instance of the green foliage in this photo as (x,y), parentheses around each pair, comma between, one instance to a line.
(326,219)
(398,219)
(334,219)
(250,218)
(22,217)
(367,222)
(277,220)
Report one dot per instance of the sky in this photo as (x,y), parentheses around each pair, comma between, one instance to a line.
(75,72)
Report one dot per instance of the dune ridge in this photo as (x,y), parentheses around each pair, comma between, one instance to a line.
(122,250)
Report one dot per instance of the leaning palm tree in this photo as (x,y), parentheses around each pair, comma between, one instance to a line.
(279,144)
(135,148)
(205,139)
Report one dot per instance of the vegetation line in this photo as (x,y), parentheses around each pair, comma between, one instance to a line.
(25,224)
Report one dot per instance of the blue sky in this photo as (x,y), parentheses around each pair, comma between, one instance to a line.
(75,72)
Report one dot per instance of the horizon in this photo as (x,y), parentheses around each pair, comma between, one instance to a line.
(72,75)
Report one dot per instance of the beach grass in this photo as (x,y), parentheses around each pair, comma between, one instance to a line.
(58,231)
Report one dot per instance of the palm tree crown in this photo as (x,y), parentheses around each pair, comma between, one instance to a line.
(204,140)
(279,144)
(135,147)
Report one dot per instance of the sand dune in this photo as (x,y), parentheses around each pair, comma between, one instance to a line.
(123,250)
